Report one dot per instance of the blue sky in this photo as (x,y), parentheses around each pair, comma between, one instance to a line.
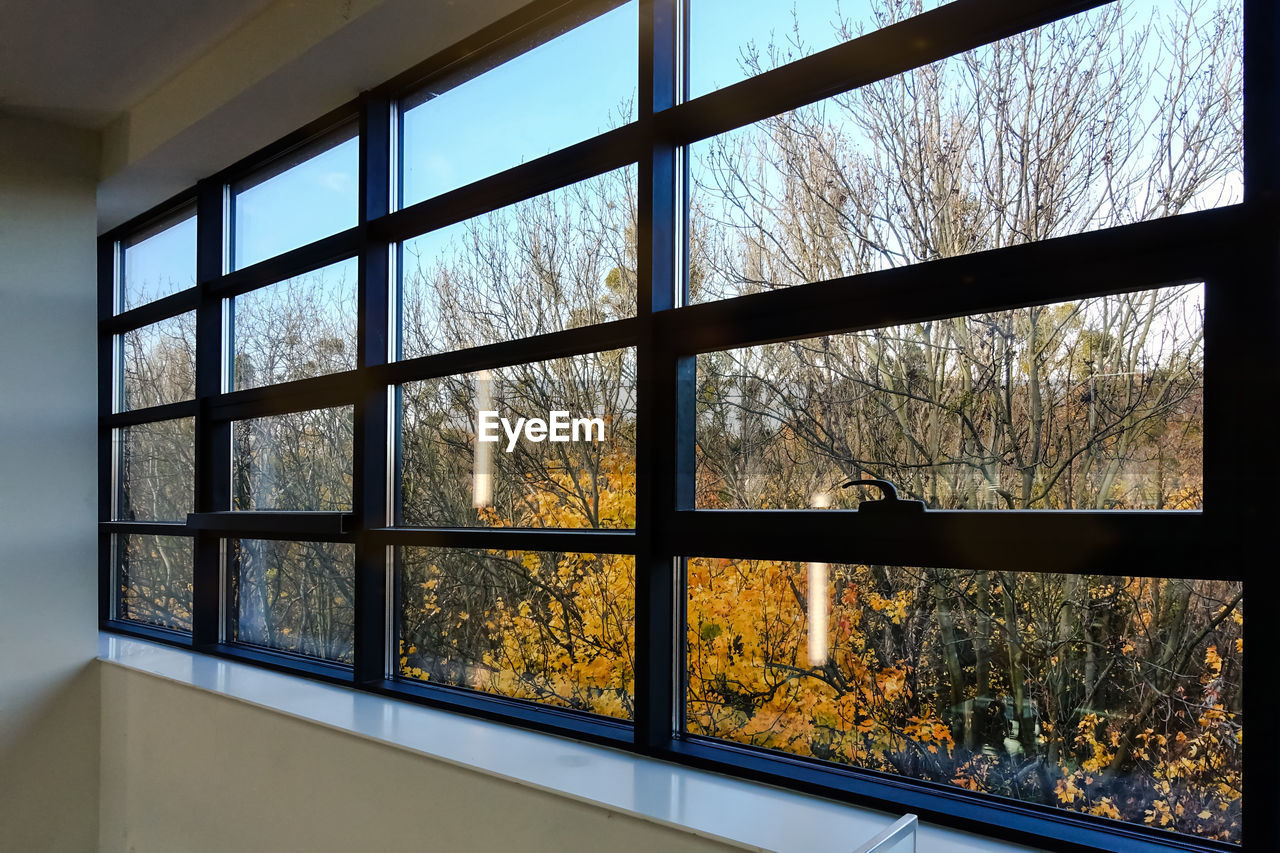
(562,92)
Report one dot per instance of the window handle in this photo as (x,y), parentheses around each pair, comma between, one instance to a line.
(890,502)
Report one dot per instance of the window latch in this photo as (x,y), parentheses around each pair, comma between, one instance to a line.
(890,502)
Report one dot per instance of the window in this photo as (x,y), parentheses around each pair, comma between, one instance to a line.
(851,396)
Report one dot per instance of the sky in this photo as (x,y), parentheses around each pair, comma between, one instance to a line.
(564,91)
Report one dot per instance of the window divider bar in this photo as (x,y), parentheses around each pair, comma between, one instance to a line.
(304,259)
(603,541)
(984,815)
(610,150)
(213,438)
(108,477)
(659,239)
(372,429)
(937,34)
(317,392)
(1261,92)
(336,526)
(1166,543)
(150,414)
(614,334)
(144,631)
(491,706)
(1241,410)
(146,528)
(1178,250)
(151,312)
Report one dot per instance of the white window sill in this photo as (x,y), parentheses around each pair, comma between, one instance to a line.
(756,817)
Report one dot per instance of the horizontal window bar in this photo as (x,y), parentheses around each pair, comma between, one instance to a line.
(146,528)
(1158,543)
(336,247)
(1178,250)
(984,815)
(595,156)
(151,312)
(569,342)
(285,662)
(146,632)
(543,718)
(319,392)
(264,523)
(510,538)
(166,412)
(919,40)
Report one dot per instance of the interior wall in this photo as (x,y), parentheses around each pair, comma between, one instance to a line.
(48,498)
(288,66)
(268,781)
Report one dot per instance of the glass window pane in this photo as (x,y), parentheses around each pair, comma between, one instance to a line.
(548,627)
(300,199)
(296,462)
(298,328)
(733,40)
(561,92)
(1092,404)
(1128,112)
(294,596)
(560,447)
(1115,696)
(562,260)
(159,263)
(153,574)
(159,363)
(157,470)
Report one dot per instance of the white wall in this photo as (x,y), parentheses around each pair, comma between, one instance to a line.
(269,781)
(48,476)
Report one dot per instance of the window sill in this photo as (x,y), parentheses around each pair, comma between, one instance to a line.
(745,814)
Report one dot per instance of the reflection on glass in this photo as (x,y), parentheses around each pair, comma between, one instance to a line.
(297,462)
(548,627)
(158,363)
(295,596)
(159,263)
(1092,404)
(156,470)
(153,575)
(302,198)
(1129,112)
(562,260)
(1115,696)
(561,439)
(563,91)
(302,327)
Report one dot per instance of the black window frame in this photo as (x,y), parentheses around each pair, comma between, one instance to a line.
(1235,250)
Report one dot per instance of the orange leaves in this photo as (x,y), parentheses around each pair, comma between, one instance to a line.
(1159,813)
(1213,660)
(1067,791)
(1105,808)
(895,607)
(884,698)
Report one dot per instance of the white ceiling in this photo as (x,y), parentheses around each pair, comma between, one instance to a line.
(84,62)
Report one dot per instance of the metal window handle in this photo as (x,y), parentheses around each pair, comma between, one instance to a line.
(889,503)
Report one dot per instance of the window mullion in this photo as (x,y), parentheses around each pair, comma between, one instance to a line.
(659,202)
(373,615)
(213,438)
(108,253)
(1240,470)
